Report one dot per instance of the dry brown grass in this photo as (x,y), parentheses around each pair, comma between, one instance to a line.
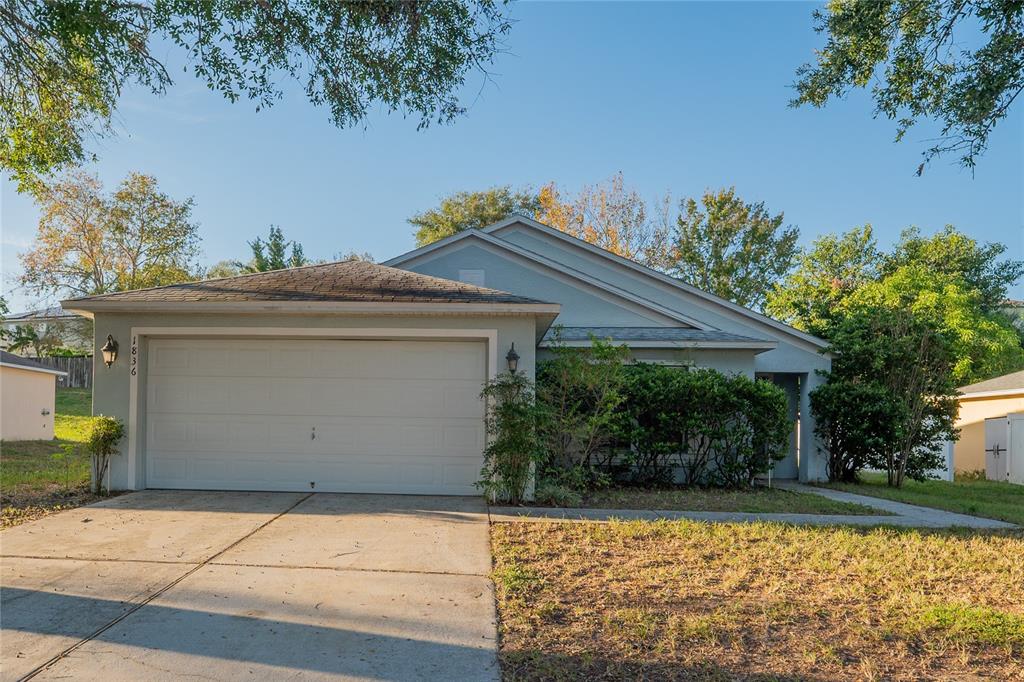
(686,600)
(24,504)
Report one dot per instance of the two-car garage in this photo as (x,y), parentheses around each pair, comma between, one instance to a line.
(331,415)
(339,377)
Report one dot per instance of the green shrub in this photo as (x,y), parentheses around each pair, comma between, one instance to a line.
(105,433)
(557,495)
(579,391)
(513,443)
(710,427)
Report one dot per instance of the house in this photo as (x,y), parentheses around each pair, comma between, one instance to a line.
(365,378)
(27,394)
(996,397)
(54,327)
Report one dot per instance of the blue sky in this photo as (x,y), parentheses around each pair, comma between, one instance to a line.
(679,97)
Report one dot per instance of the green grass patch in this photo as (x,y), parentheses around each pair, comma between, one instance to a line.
(697,601)
(966,495)
(34,478)
(756,500)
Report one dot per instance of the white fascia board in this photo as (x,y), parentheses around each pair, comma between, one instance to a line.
(424,252)
(1004,393)
(312,307)
(760,346)
(41,370)
(660,276)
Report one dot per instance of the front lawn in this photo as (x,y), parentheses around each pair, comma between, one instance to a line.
(32,481)
(966,495)
(688,600)
(757,500)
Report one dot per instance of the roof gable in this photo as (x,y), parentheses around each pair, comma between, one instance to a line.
(720,306)
(460,239)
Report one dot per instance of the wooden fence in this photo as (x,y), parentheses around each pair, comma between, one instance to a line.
(79,370)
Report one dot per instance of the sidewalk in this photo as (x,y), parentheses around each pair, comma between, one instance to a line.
(902,514)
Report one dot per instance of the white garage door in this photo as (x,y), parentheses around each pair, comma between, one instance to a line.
(324,415)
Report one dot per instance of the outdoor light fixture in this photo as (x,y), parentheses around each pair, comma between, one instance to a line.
(512,358)
(109,351)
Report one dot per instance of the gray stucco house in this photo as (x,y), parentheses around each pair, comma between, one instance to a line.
(356,377)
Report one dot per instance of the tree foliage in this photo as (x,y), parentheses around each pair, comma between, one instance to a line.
(472,210)
(89,242)
(273,254)
(897,369)
(65,63)
(609,215)
(979,345)
(730,248)
(955,254)
(826,274)
(959,62)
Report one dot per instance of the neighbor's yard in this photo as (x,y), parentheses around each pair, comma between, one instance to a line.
(687,600)
(32,480)
(965,495)
(757,500)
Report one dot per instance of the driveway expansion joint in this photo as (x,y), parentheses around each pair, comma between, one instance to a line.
(155,594)
(342,569)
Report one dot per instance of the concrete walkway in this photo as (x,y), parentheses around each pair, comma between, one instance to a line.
(256,586)
(898,514)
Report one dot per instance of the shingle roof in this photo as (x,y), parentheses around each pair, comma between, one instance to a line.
(1007,382)
(12,359)
(347,281)
(645,334)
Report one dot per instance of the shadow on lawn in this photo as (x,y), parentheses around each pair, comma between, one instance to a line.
(541,665)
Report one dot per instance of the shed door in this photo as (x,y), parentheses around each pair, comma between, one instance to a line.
(323,415)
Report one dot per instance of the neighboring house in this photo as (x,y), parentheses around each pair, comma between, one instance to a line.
(364,378)
(55,327)
(984,400)
(27,396)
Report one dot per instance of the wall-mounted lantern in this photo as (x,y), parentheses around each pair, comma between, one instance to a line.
(109,351)
(512,358)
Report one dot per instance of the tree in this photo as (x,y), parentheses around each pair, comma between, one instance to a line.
(471,210)
(607,215)
(353,255)
(223,268)
(826,274)
(65,64)
(273,253)
(89,242)
(901,367)
(912,51)
(979,345)
(956,254)
(730,248)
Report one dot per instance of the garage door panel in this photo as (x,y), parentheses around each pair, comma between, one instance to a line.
(248,424)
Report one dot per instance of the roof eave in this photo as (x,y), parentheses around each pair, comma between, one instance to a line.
(759,346)
(89,308)
(41,370)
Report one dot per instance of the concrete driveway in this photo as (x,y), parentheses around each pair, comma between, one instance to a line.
(226,586)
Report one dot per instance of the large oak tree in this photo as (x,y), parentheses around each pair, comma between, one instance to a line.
(65,63)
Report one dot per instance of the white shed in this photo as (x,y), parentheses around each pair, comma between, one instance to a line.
(27,397)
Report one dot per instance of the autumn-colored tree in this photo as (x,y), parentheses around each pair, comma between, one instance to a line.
(89,242)
(730,248)
(608,215)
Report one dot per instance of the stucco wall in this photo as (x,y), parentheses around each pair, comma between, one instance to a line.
(112,387)
(24,397)
(969,451)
